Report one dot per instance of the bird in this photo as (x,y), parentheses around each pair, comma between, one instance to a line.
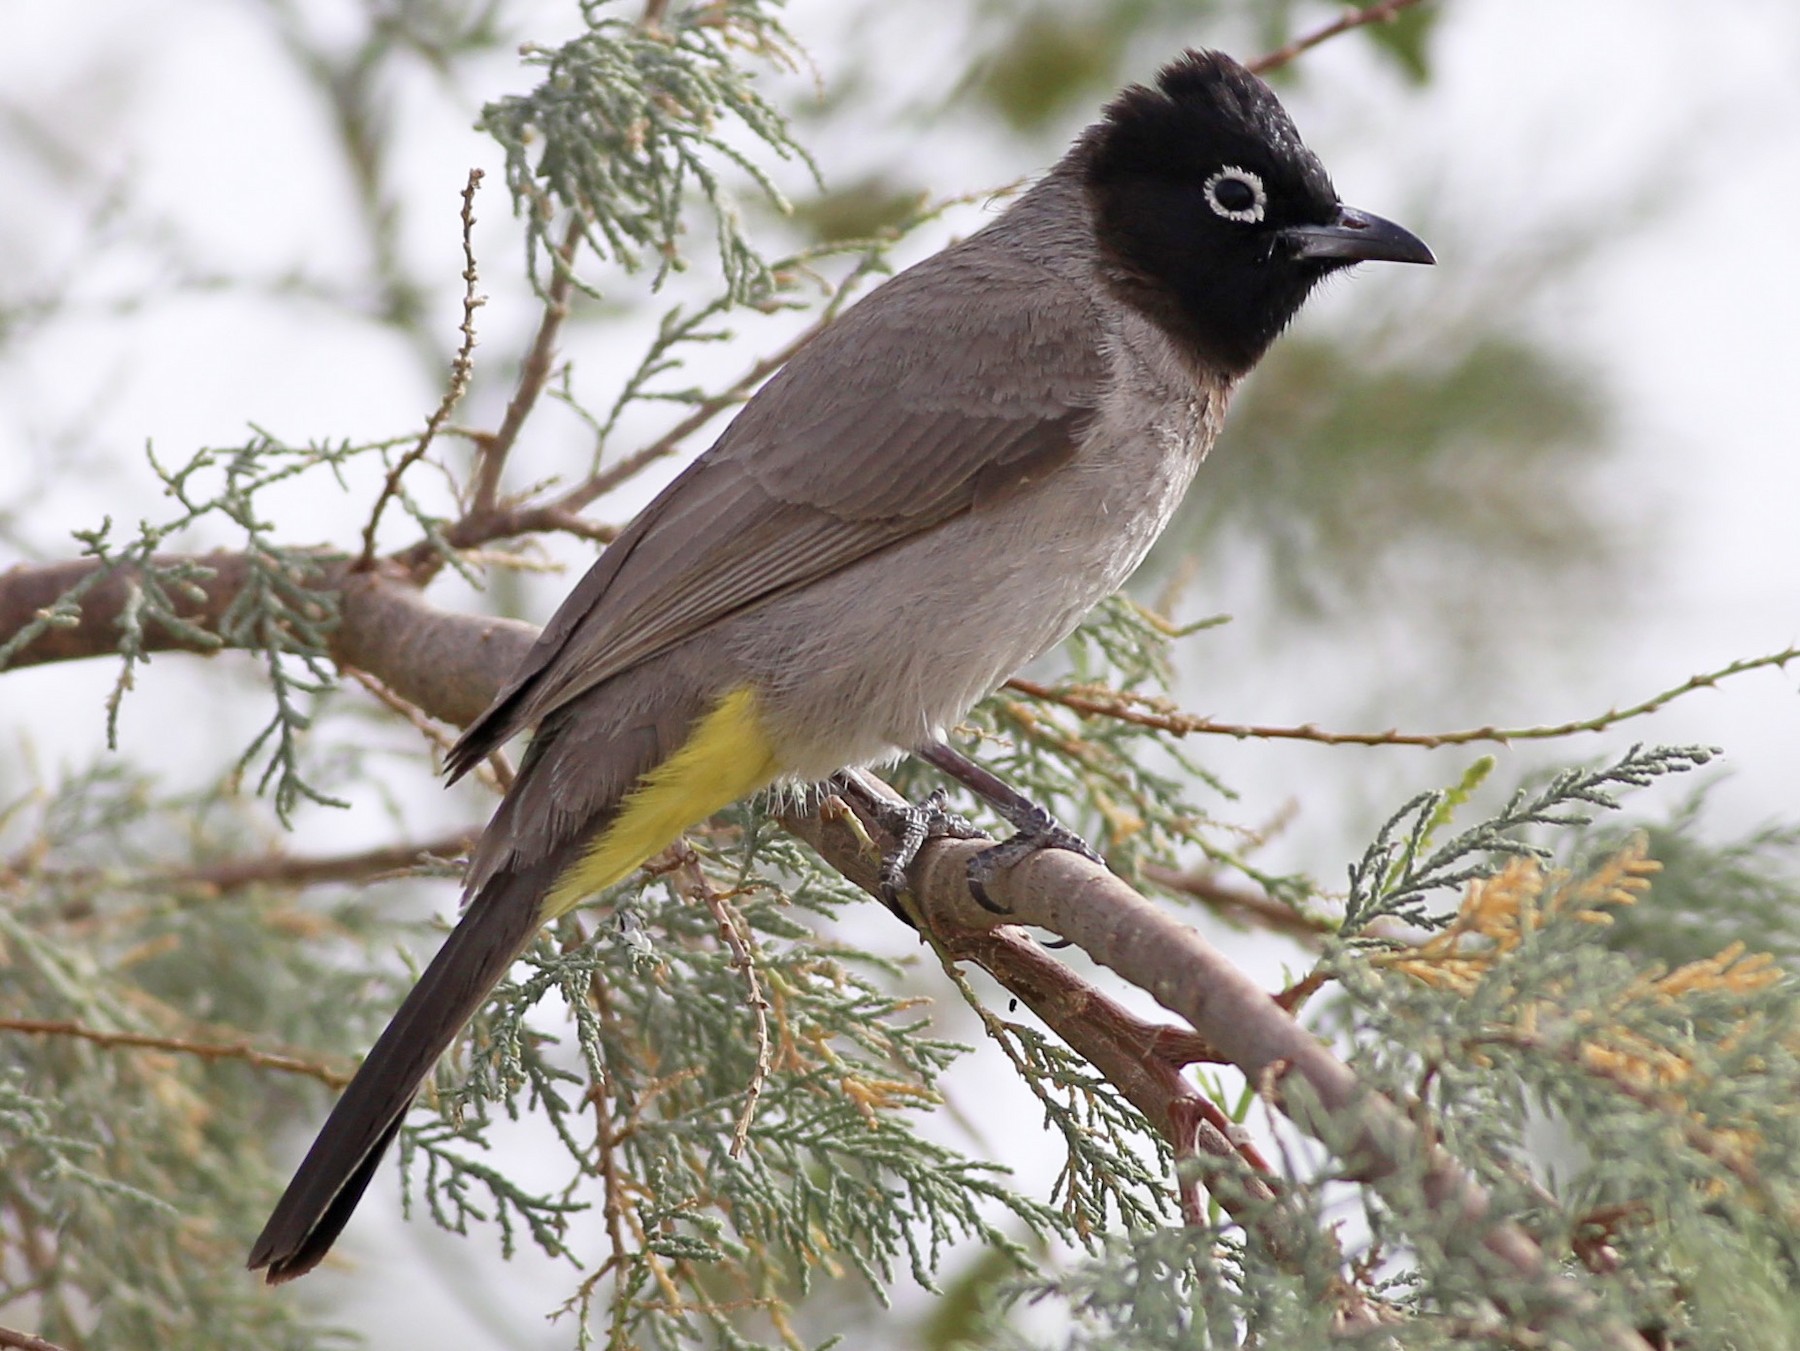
(931,493)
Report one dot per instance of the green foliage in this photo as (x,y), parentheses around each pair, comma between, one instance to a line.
(1116,1169)
(1339,465)
(758,1118)
(735,1097)
(861,210)
(629,119)
(1406,40)
(1404,866)
(1668,1191)
(129,1182)
(1713,893)
(1052,61)
(279,613)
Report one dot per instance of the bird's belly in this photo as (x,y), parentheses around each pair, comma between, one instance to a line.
(893,650)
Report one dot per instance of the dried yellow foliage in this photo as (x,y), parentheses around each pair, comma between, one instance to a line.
(1499,912)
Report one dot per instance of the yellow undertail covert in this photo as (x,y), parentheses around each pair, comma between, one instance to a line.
(728,757)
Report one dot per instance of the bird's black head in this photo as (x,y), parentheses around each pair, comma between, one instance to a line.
(1210,215)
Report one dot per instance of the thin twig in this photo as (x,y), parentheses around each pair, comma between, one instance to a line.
(743,957)
(1385,12)
(272,869)
(545,518)
(612,1184)
(495,770)
(462,369)
(205,1050)
(1264,909)
(369,865)
(1144,710)
(534,377)
(422,723)
(24,1341)
(704,411)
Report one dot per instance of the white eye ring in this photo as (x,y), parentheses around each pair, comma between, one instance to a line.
(1231,173)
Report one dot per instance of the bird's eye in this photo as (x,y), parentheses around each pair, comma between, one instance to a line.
(1236,194)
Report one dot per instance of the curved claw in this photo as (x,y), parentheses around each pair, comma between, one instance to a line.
(1044,833)
(912,826)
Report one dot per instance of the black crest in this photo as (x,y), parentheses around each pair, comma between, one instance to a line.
(1192,183)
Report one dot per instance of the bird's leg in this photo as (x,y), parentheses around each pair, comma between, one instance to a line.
(910,824)
(927,820)
(1037,828)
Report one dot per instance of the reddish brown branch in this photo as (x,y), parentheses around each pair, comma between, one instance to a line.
(290,871)
(704,411)
(204,1050)
(1079,900)
(462,370)
(1385,12)
(1142,1059)
(485,518)
(24,1341)
(534,377)
(449,665)
(737,937)
(272,869)
(1228,900)
(1096,701)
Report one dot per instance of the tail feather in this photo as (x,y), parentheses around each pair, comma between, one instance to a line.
(496,928)
(581,767)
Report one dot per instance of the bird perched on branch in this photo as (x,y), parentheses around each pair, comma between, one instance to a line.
(930,494)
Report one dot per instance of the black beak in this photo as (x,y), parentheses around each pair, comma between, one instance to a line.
(1357,237)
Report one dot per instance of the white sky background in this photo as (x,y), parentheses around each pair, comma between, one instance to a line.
(1539,111)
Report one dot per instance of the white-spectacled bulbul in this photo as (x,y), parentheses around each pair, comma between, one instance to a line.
(933,492)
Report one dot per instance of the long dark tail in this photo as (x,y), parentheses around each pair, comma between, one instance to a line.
(497,926)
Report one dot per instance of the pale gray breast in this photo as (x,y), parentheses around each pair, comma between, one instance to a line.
(891,651)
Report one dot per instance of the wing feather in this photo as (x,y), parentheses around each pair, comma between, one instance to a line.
(943,392)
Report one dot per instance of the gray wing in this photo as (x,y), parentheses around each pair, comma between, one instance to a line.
(944,391)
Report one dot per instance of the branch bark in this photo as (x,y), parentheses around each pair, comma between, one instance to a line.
(25,1341)
(1081,901)
(450,664)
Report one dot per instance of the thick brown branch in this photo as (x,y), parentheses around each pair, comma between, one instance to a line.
(29,590)
(1081,901)
(449,665)
(1143,1060)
